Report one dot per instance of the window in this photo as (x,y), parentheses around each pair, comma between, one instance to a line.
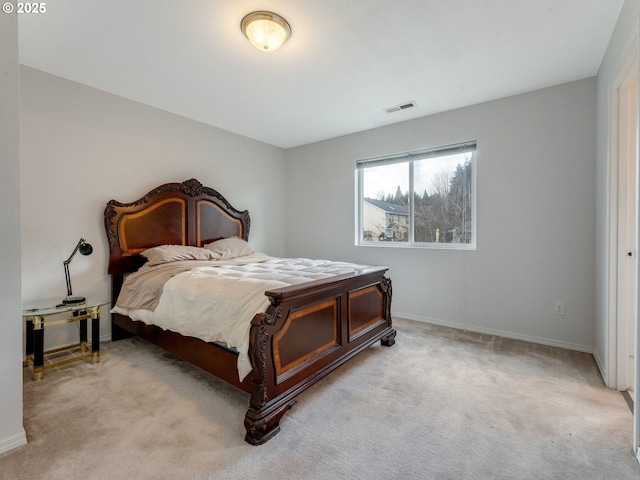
(418,199)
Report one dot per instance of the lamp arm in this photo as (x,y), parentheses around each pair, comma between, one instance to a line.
(68,260)
(67,278)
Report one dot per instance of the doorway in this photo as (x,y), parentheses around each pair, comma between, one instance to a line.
(623,240)
(627,264)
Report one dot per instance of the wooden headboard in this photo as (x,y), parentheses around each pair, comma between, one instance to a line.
(186,213)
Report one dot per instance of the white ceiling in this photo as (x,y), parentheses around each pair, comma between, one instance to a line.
(346,60)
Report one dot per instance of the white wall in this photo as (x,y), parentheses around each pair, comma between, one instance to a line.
(536,221)
(12,433)
(81,147)
(624,33)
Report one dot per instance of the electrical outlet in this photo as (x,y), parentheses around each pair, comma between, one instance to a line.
(559,308)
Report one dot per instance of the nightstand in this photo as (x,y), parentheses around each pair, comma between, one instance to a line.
(47,313)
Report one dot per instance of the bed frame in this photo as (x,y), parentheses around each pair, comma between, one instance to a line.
(308,330)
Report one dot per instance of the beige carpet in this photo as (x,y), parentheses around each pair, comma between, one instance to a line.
(440,404)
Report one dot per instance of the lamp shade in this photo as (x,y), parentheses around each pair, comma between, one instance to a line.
(266,31)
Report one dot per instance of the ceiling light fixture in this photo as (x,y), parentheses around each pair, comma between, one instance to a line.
(266,31)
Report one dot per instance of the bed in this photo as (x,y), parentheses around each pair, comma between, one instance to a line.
(307,330)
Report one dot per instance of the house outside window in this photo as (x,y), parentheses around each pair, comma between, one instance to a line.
(418,199)
(385,221)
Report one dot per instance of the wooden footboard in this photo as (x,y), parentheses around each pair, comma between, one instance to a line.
(308,331)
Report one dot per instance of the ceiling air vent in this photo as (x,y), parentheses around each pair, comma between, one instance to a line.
(402,106)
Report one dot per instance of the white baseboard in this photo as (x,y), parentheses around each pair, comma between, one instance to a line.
(500,333)
(600,365)
(13,442)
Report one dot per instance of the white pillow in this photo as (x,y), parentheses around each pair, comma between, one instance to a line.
(173,253)
(231,247)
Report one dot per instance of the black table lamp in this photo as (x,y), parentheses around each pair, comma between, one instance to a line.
(85,249)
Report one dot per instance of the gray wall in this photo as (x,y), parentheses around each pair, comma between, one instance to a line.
(81,147)
(11,432)
(536,221)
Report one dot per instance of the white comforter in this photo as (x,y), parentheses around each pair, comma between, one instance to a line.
(217,301)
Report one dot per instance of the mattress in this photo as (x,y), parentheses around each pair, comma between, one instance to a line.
(215,301)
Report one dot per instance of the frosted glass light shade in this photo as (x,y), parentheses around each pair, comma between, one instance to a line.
(265,30)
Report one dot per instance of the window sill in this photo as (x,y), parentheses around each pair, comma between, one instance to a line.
(427,246)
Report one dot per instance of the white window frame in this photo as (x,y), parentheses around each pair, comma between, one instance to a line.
(410,158)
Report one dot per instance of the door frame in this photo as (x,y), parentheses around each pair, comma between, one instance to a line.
(621,130)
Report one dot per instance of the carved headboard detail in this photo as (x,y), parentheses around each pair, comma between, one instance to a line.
(186,213)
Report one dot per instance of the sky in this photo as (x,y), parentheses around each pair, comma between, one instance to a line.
(386,178)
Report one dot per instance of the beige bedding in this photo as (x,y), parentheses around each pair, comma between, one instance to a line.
(142,289)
